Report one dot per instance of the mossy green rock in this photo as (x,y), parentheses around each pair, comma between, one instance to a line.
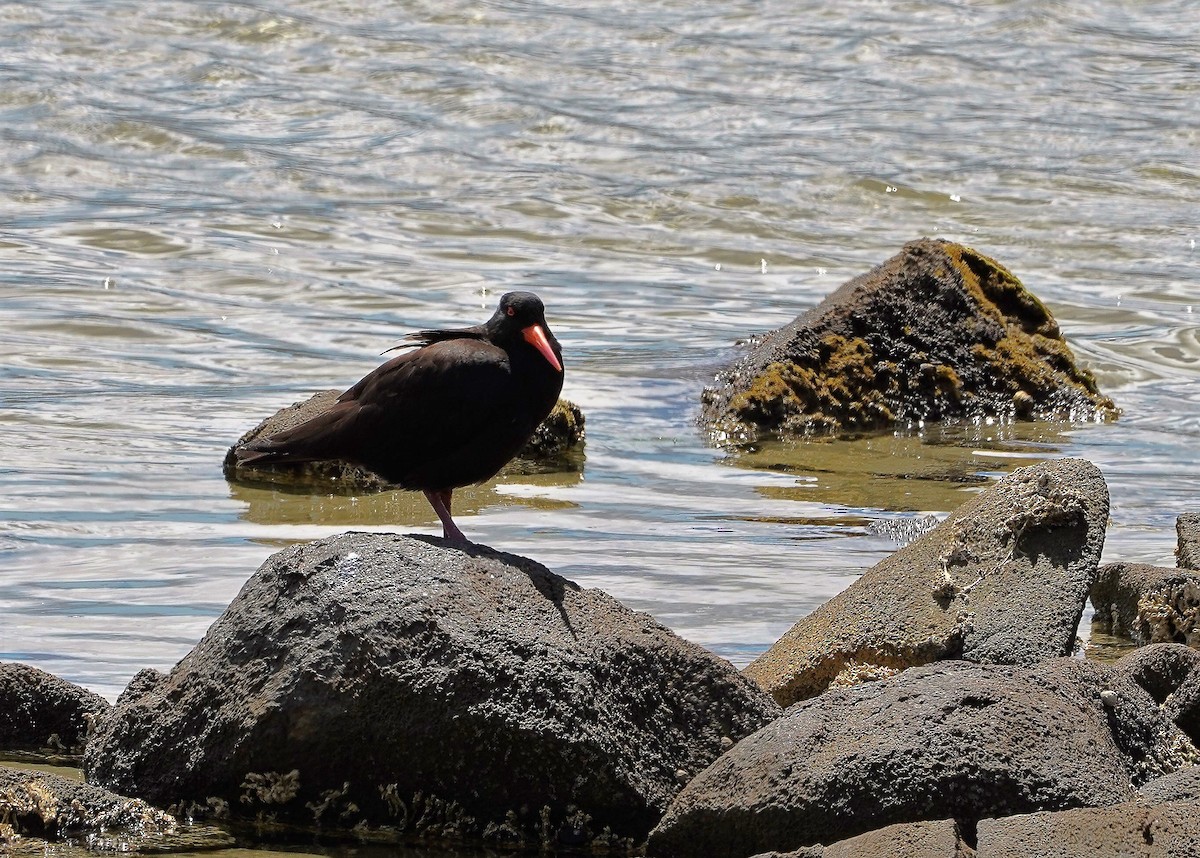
(937,332)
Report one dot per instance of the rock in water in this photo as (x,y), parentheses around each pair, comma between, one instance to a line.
(937,332)
(43,715)
(389,681)
(557,445)
(1004,579)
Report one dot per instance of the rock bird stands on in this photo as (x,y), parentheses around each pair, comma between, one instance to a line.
(451,412)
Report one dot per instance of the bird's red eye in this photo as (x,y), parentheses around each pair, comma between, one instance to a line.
(511,311)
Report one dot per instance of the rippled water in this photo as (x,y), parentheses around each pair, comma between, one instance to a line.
(211,210)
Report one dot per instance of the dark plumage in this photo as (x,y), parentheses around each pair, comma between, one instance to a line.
(451,412)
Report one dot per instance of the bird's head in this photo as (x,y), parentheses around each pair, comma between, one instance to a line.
(522,316)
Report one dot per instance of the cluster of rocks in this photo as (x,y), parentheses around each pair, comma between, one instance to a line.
(395,687)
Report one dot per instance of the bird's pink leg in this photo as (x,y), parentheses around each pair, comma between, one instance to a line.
(440,501)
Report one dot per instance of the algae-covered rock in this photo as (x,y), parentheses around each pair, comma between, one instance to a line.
(382,681)
(937,332)
(1004,579)
(556,445)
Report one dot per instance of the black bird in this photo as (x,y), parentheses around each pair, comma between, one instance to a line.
(451,412)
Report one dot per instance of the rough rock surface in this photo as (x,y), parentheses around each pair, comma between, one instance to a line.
(1182,785)
(938,331)
(1004,579)
(1160,668)
(1162,831)
(1150,604)
(946,740)
(556,445)
(37,806)
(1183,706)
(451,692)
(1187,547)
(936,839)
(42,714)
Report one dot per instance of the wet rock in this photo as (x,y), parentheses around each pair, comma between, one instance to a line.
(936,839)
(1150,604)
(946,740)
(43,716)
(1187,548)
(556,445)
(36,807)
(1004,579)
(937,332)
(1183,785)
(388,681)
(1160,831)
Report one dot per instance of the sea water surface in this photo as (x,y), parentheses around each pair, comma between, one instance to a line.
(209,210)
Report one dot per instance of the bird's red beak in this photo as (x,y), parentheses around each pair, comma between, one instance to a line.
(535,335)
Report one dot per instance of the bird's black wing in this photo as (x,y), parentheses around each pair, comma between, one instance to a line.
(422,410)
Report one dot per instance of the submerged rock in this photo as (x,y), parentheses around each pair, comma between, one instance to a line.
(43,716)
(947,740)
(381,680)
(1004,579)
(1150,604)
(556,445)
(937,332)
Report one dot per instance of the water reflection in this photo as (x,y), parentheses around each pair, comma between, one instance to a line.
(272,504)
(905,471)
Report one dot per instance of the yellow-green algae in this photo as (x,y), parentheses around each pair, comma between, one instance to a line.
(879,378)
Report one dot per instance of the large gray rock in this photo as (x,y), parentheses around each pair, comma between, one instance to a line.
(1162,831)
(1004,579)
(42,715)
(947,740)
(452,692)
(1150,604)
(937,332)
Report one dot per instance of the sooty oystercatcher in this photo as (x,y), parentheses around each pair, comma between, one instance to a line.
(449,413)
